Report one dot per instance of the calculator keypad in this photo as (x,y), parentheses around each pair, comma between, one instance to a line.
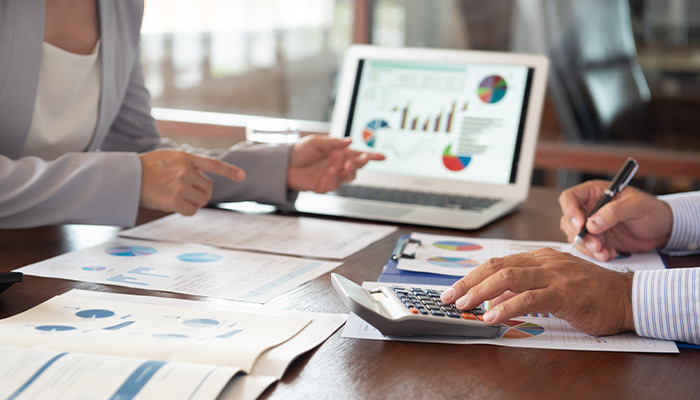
(427,302)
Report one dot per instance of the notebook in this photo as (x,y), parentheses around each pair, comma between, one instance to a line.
(458,129)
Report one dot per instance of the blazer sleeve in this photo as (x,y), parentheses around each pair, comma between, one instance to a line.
(90,188)
(134,129)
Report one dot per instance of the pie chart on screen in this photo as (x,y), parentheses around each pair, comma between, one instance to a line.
(492,89)
(454,162)
(369,134)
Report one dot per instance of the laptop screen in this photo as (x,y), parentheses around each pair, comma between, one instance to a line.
(461,122)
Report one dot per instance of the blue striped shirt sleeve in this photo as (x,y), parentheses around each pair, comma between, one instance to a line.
(685,235)
(666,304)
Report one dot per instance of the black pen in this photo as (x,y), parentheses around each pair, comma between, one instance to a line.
(623,177)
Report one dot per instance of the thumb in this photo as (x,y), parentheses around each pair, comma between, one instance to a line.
(609,216)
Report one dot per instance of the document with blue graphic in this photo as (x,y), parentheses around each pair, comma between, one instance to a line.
(183,268)
(133,349)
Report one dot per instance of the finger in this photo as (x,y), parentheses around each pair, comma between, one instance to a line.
(608,216)
(516,280)
(329,180)
(532,301)
(502,298)
(185,207)
(483,271)
(576,201)
(349,170)
(216,166)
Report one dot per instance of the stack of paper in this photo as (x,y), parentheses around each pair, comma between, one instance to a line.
(106,345)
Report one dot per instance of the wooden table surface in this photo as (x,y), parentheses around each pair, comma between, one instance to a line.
(363,369)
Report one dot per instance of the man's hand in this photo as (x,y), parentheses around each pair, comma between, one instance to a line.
(591,298)
(632,222)
(322,163)
(174,180)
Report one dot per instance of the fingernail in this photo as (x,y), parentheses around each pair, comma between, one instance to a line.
(490,315)
(597,221)
(575,223)
(462,302)
(590,246)
(447,295)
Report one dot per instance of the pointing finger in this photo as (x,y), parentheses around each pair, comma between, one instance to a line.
(216,166)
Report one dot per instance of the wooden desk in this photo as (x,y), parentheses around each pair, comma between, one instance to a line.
(363,369)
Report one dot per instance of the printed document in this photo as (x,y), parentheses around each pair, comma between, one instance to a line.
(182,268)
(297,236)
(457,256)
(74,345)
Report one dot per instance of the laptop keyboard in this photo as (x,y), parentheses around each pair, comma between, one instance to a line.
(411,197)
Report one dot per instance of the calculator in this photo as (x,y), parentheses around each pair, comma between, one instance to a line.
(411,310)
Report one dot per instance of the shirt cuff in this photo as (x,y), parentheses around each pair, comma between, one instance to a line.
(685,234)
(666,304)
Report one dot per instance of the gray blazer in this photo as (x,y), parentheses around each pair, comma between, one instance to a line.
(102,184)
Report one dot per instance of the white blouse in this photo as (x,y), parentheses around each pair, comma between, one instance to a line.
(67,100)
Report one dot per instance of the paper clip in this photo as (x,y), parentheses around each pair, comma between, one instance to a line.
(401,245)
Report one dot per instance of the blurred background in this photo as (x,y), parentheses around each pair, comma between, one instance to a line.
(624,72)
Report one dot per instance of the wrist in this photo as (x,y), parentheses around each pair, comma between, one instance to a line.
(628,319)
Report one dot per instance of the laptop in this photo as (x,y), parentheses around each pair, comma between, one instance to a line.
(458,129)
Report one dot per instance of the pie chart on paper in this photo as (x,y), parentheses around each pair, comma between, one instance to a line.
(130,251)
(521,330)
(453,245)
(452,262)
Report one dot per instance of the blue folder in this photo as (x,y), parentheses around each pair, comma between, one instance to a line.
(394,275)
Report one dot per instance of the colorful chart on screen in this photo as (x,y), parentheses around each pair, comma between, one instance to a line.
(199,257)
(492,89)
(369,134)
(521,330)
(130,251)
(454,162)
(457,245)
(452,262)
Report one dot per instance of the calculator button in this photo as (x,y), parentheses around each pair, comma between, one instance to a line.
(425,298)
(437,313)
(480,318)
(469,316)
(398,288)
(453,314)
(413,310)
(423,311)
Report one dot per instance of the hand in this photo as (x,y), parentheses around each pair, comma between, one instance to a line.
(632,221)
(322,164)
(591,298)
(174,180)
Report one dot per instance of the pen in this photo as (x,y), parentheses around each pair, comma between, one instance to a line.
(623,177)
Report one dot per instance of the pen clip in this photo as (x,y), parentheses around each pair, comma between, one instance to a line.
(629,169)
(402,245)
